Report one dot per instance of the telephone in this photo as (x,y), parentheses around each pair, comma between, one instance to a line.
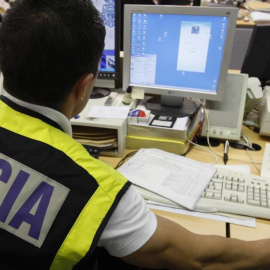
(254,94)
(265,113)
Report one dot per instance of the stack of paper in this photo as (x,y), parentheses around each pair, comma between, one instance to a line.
(258,6)
(260,17)
(98,137)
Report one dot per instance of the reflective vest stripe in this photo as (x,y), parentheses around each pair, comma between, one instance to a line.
(86,226)
(84,229)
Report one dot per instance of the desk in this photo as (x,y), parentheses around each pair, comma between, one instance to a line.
(236,157)
(241,22)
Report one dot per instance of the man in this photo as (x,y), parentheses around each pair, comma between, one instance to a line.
(58,206)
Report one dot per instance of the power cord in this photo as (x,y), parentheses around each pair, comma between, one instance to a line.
(246,142)
(251,124)
(252,161)
(211,150)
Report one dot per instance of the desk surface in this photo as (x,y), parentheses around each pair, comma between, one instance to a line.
(236,157)
(242,23)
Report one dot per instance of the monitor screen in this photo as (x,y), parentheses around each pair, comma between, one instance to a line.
(257,59)
(109,69)
(178,52)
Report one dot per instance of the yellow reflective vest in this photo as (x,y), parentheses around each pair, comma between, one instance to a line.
(55,199)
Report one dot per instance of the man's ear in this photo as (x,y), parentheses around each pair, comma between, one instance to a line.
(80,86)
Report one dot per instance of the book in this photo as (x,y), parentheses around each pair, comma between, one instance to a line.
(173,146)
(258,6)
(178,131)
(179,179)
(178,145)
(139,128)
(102,138)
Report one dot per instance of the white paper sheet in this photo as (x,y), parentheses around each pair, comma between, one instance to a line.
(180,179)
(258,16)
(116,112)
(232,219)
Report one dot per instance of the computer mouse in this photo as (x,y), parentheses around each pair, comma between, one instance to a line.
(246,19)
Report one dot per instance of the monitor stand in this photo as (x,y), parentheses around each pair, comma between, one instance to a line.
(171,106)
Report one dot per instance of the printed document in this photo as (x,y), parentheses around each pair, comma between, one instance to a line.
(179,179)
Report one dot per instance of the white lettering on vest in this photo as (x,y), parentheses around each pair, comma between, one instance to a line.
(29,201)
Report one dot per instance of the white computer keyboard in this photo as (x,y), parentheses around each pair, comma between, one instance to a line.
(238,193)
(230,192)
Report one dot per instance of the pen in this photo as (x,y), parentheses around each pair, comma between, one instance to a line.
(226,149)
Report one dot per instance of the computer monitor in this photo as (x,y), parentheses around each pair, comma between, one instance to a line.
(178,52)
(130,2)
(109,69)
(257,59)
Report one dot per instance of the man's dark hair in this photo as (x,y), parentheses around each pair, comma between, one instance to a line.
(46,45)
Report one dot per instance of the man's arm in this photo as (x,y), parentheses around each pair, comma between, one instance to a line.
(174,247)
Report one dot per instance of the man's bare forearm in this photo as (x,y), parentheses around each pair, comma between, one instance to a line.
(174,247)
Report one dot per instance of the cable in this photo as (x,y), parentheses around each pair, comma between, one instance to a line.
(208,138)
(206,149)
(120,163)
(188,150)
(247,161)
(211,151)
(251,158)
(249,123)
(246,143)
(208,128)
(248,146)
